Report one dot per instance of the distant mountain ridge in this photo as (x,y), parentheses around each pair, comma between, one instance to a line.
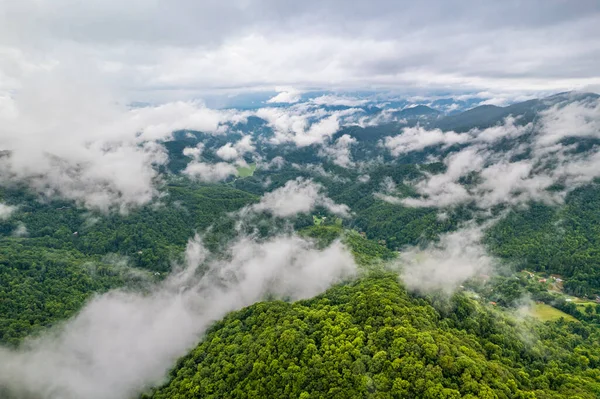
(488,115)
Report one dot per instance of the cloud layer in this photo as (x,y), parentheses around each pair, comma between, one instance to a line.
(181,49)
(6,211)
(444,266)
(123,342)
(303,125)
(339,152)
(71,138)
(533,159)
(298,196)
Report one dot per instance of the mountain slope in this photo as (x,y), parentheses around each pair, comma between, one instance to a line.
(485,116)
(370,339)
(417,111)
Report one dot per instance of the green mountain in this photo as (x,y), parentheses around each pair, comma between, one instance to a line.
(525,327)
(370,339)
(484,116)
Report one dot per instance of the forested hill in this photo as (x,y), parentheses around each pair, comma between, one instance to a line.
(66,254)
(314,199)
(311,251)
(370,339)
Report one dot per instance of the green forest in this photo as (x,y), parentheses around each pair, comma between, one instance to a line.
(70,254)
(371,339)
(563,240)
(529,328)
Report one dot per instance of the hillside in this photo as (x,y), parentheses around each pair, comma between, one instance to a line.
(299,199)
(370,339)
(306,250)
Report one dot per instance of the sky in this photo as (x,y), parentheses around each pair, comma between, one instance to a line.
(160,51)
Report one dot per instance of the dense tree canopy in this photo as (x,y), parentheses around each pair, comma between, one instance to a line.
(49,273)
(365,338)
(369,338)
(564,240)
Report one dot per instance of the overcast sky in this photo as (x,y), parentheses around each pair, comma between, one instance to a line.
(161,50)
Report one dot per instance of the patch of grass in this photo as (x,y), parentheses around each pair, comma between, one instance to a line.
(545,312)
(583,302)
(246,171)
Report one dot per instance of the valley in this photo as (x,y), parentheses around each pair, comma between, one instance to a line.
(421,257)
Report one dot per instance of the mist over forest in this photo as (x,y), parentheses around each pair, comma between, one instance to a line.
(312,200)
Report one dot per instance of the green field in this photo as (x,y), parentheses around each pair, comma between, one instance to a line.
(246,171)
(583,302)
(545,312)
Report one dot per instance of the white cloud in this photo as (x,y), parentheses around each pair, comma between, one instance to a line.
(512,182)
(159,122)
(388,189)
(73,141)
(208,172)
(385,116)
(418,138)
(497,181)
(364,178)
(497,101)
(298,196)
(517,175)
(339,152)
(302,126)
(317,132)
(388,198)
(123,342)
(575,119)
(197,48)
(227,152)
(444,189)
(194,152)
(245,145)
(388,185)
(6,211)
(286,95)
(445,265)
(274,164)
(578,170)
(330,99)
(230,151)
(20,230)
(69,137)
(508,129)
